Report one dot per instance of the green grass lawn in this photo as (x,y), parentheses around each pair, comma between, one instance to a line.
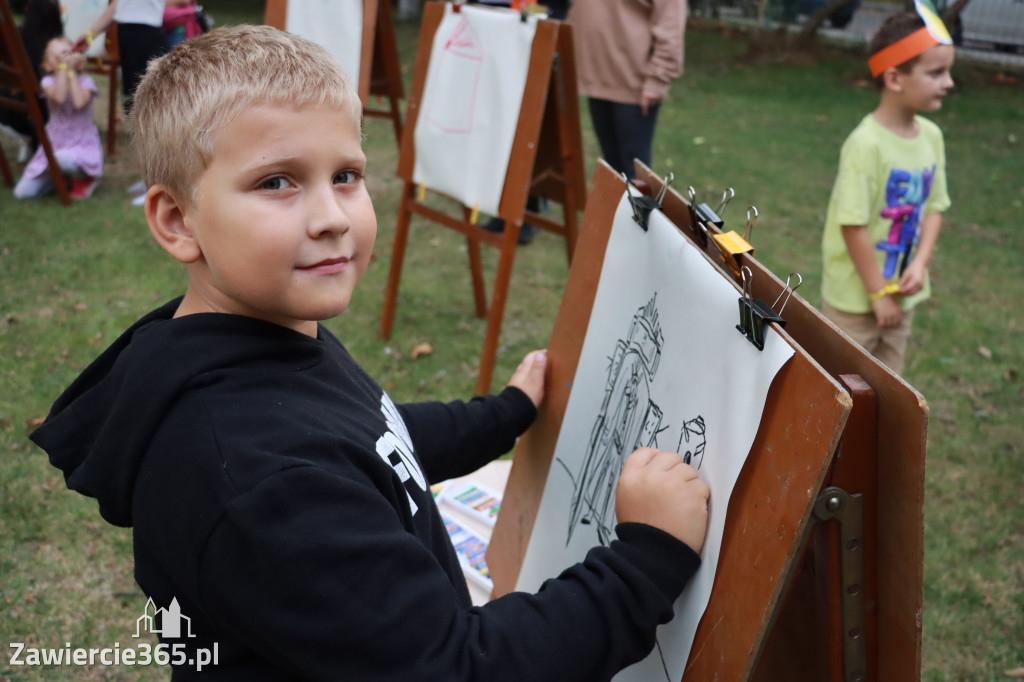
(73,278)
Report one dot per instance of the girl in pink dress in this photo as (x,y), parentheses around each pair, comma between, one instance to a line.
(72,132)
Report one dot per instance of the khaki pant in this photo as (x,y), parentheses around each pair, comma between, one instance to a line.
(888,345)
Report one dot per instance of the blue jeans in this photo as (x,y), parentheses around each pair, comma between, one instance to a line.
(623,132)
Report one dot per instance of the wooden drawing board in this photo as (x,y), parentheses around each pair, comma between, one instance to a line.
(546,159)
(771,504)
(380,72)
(884,460)
(16,73)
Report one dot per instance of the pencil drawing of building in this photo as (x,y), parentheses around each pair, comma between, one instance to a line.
(628,419)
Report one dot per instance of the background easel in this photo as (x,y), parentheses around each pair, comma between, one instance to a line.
(380,72)
(786,592)
(546,159)
(16,73)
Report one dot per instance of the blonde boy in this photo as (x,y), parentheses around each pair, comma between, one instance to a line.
(279,499)
(886,207)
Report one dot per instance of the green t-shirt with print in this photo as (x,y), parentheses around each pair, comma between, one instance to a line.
(887,183)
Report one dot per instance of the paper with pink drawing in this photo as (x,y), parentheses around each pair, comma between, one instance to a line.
(472,95)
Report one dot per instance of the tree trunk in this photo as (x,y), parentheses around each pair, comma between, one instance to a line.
(806,35)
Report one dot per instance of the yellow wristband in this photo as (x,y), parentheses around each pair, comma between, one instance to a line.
(62,66)
(884,291)
(89,38)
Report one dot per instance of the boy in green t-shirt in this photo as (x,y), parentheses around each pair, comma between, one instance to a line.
(886,207)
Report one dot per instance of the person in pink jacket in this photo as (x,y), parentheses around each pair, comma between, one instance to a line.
(628,52)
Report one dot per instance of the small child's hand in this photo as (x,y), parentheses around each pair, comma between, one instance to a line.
(529,376)
(659,489)
(887,312)
(912,279)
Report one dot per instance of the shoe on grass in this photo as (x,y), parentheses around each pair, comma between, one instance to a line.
(526,233)
(82,188)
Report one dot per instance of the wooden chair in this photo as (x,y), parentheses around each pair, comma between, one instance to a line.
(16,73)
(109,65)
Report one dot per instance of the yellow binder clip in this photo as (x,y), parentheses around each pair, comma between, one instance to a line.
(731,245)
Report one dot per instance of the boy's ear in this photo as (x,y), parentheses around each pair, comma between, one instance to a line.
(166,218)
(891,77)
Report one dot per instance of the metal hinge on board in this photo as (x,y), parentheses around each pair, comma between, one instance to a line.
(835,504)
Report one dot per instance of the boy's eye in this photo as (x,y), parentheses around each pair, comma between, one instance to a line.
(346,177)
(274,183)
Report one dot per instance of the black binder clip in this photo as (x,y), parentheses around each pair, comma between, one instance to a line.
(710,216)
(700,232)
(755,314)
(702,215)
(641,204)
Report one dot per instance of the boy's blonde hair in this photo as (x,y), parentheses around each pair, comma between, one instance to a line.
(187,95)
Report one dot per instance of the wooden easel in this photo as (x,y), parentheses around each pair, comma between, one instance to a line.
(881,458)
(790,602)
(380,71)
(546,160)
(16,73)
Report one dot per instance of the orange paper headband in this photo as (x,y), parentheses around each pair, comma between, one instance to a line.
(917,43)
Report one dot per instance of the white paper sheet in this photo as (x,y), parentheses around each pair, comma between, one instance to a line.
(662,365)
(336,25)
(78,16)
(472,96)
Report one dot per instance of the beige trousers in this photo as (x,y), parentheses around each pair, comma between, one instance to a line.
(888,345)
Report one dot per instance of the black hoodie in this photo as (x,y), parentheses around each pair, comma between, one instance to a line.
(280,496)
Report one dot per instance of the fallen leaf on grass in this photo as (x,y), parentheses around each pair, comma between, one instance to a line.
(36,421)
(1011,375)
(984,352)
(422,349)
(1016,672)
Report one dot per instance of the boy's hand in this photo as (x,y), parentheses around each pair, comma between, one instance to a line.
(529,376)
(912,279)
(659,489)
(887,312)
